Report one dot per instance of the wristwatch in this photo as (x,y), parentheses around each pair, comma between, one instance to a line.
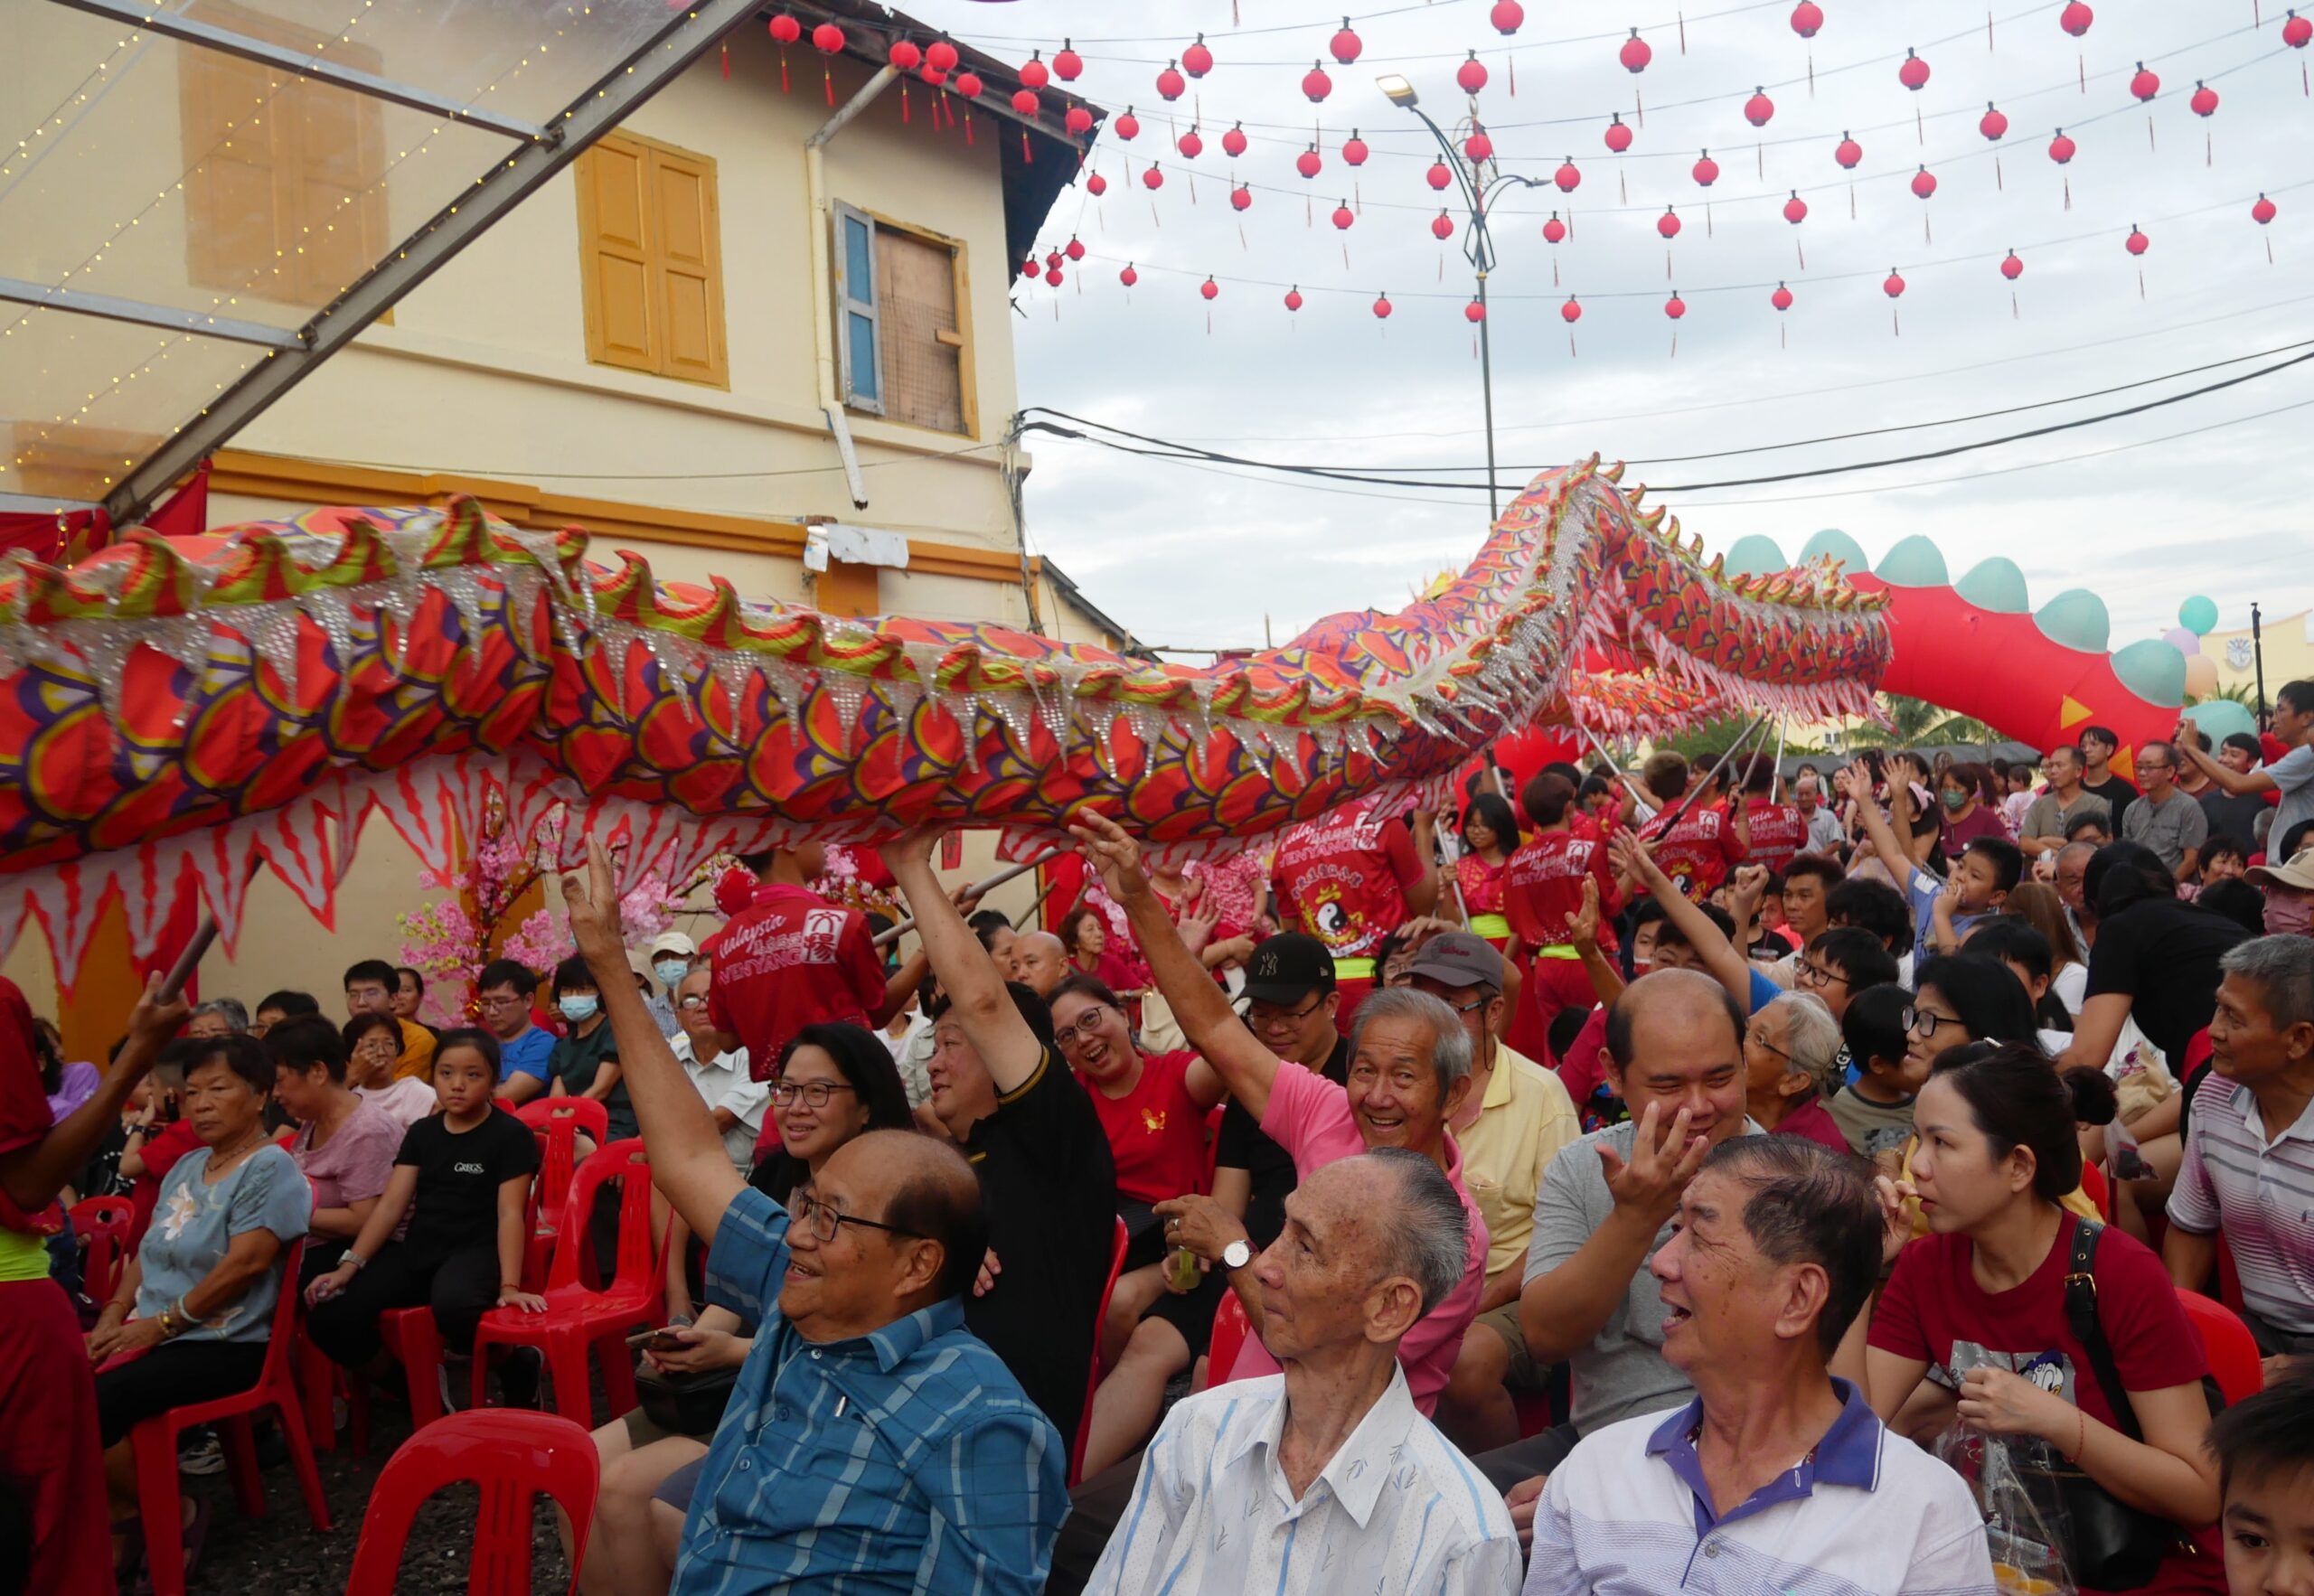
(1236,1255)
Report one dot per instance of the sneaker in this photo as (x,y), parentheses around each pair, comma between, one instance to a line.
(518,1376)
(448,1385)
(201,1453)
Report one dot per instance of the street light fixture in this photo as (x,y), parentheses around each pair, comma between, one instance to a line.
(1477,247)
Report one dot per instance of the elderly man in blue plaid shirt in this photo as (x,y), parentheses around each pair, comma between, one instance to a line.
(871,1442)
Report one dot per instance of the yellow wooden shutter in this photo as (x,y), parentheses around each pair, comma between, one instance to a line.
(687,266)
(615,261)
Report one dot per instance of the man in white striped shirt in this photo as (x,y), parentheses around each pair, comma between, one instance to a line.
(2248,1170)
(1324,1479)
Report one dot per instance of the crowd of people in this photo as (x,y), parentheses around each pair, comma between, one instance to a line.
(1681,1176)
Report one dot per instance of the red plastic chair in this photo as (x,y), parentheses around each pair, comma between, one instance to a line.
(513,1456)
(1212,1145)
(577,1317)
(155,1441)
(102,1225)
(1093,1376)
(1231,1329)
(2098,1190)
(557,1121)
(2226,1342)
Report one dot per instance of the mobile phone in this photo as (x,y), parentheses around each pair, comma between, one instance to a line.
(660,1340)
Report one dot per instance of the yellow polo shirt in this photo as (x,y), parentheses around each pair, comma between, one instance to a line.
(1524,1120)
(417,1051)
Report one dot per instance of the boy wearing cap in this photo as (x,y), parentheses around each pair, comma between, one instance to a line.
(1514,1122)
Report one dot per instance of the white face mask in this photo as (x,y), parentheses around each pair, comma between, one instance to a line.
(670,971)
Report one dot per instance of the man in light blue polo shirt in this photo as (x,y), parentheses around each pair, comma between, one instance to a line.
(1777,1476)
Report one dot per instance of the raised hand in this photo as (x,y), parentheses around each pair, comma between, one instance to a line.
(1855,781)
(152,1020)
(1662,1161)
(909,848)
(1895,1224)
(1634,859)
(1751,886)
(1109,849)
(1583,925)
(592,904)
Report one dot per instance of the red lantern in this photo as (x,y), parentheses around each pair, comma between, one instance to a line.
(2137,242)
(1795,208)
(2145,85)
(1442,227)
(940,56)
(1618,135)
(1781,298)
(1031,266)
(1344,216)
(1074,249)
(785,29)
(1674,307)
(1471,74)
(2012,267)
(1240,197)
(1053,258)
(1128,276)
(1634,55)
(1052,275)
(1759,108)
(1233,143)
(1096,185)
(1707,170)
(1153,178)
(1124,126)
(2061,148)
(1505,16)
(1170,82)
(1382,309)
(1848,151)
(1894,286)
(938,78)
(827,39)
(1668,224)
(1353,149)
(1067,64)
(2076,18)
(2262,212)
(2205,101)
(1190,146)
(1024,100)
(1346,44)
(1992,124)
(1210,289)
(1294,298)
(1078,121)
(1924,183)
(1570,312)
(1806,18)
(2298,32)
(1197,61)
(1316,84)
(1034,73)
(1478,147)
(1914,73)
(1439,175)
(1554,231)
(906,55)
(1474,312)
(1308,161)
(1566,176)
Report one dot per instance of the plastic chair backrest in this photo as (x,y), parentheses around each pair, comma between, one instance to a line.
(512,1455)
(102,1225)
(1118,1243)
(2098,1190)
(557,1121)
(281,1342)
(2226,1342)
(638,1264)
(1229,1332)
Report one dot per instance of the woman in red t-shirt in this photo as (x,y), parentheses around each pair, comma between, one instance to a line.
(1154,1108)
(1978,1305)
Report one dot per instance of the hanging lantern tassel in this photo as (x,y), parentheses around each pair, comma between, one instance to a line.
(1927,229)
(1803,249)
(1896,323)
(727,61)
(1988,32)
(827,82)
(906,118)
(1511,62)
(2068,193)
(1707,219)
(1667,266)
(1759,156)
(2208,153)
(968,121)
(1851,202)
(1028,155)
(782,69)
(2149,130)
(2012,306)
(1622,187)
(1638,110)
(1192,181)
(2141,283)
(1996,172)
(1248,248)
(2270,260)
(1683,32)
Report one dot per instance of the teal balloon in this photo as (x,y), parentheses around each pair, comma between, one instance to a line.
(1754,556)
(2198,616)
(2220,718)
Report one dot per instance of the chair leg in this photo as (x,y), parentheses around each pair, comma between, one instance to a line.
(618,1375)
(316,1385)
(159,1504)
(301,1460)
(567,1360)
(240,1462)
(357,1413)
(421,1362)
(478,1389)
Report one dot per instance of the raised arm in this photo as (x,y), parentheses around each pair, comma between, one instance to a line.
(975,991)
(1721,958)
(1856,781)
(2236,783)
(1583,932)
(32,1176)
(1203,1012)
(688,1163)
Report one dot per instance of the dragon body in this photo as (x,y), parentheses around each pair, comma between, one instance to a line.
(175,714)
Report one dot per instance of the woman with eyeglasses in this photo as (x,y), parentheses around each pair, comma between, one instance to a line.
(1152,1108)
(834,1081)
(1490,836)
(1791,1052)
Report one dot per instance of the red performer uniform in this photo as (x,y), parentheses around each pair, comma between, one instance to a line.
(1697,852)
(1544,890)
(1344,878)
(789,960)
(50,1459)
(1482,887)
(1778,833)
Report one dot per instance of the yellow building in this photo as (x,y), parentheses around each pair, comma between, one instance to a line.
(2288,642)
(746,335)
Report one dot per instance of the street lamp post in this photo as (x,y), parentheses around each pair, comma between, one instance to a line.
(1478,247)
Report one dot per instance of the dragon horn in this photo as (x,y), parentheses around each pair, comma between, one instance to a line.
(1614,474)
(1653,519)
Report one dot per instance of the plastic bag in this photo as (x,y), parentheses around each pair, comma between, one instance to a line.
(2027,1560)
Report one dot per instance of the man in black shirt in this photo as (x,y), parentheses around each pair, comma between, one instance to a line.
(1291,985)
(2155,960)
(1003,1093)
(2098,747)
(2235,815)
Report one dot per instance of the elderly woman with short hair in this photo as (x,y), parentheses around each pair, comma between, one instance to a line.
(1791,1064)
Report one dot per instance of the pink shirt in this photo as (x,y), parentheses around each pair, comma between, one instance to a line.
(1308,1116)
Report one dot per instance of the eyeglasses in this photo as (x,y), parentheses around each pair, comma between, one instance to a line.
(696,1000)
(813,1092)
(823,1220)
(1278,1019)
(1474,1005)
(509,1002)
(1087,1026)
(1921,1023)
(1759,1037)
(1817,975)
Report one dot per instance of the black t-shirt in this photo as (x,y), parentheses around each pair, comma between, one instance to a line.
(1241,1145)
(2163,954)
(575,1060)
(458,1176)
(2118,795)
(2233,818)
(1050,1184)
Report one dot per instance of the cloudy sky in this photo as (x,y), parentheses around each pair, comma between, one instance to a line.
(2194,497)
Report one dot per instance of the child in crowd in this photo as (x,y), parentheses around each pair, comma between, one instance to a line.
(463,1180)
(1875,1110)
(157,1137)
(2264,1447)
